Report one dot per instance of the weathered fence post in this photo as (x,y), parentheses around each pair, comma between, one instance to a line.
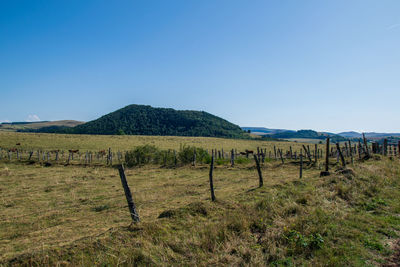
(128,194)
(341,155)
(261,181)
(316,153)
(211,178)
(326,172)
(385,147)
(232,158)
(301,165)
(280,154)
(366,145)
(307,153)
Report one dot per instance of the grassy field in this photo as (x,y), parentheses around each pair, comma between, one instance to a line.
(127,142)
(74,215)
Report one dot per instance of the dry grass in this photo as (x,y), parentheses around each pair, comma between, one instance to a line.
(57,205)
(75,215)
(127,142)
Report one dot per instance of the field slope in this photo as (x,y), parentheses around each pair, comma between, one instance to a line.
(77,215)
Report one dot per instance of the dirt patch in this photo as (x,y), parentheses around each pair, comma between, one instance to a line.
(394,259)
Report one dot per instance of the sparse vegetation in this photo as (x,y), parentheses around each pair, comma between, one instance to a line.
(77,215)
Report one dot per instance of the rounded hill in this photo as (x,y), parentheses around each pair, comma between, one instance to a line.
(146,120)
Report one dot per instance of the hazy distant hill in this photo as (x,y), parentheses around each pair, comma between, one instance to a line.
(264,131)
(352,134)
(146,120)
(307,134)
(25,126)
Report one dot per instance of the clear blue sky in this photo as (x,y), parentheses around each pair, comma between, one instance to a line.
(326,65)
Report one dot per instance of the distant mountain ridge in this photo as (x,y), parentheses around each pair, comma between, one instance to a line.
(263,130)
(147,120)
(353,134)
(311,134)
(34,125)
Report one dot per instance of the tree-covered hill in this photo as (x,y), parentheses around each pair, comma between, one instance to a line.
(146,120)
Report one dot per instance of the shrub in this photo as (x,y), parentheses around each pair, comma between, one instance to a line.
(142,155)
(186,154)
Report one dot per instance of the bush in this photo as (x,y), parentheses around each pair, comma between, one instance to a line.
(142,155)
(149,154)
(186,154)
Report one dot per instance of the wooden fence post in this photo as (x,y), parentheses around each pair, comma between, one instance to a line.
(232,158)
(366,145)
(211,178)
(128,194)
(281,156)
(316,153)
(261,181)
(341,155)
(301,166)
(327,156)
(385,147)
(307,153)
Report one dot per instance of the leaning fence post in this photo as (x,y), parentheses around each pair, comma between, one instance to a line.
(308,153)
(280,154)
(261,181)
(211,178)
(128,194)
(341,155)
